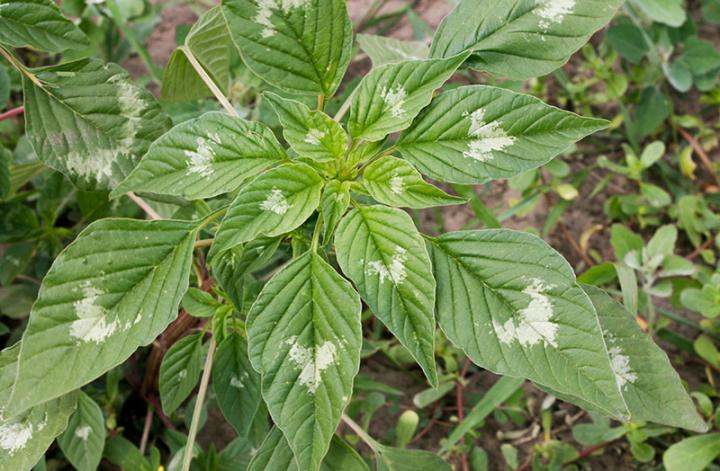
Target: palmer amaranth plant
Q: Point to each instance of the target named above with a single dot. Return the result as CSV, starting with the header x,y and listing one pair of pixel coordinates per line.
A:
x,y
331,201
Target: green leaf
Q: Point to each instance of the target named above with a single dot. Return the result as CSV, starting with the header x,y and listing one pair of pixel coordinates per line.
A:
x,y
650,386
236,384
273,204
4,86
383,50
520,39
333,204
662,242
652,153
395,182
512,304
624,241
700,56
204,157
90,122
305,337
398,459
38,24
209,42
84,439
122,453
476,133
301,46
390,96
116,287
6,159
693,454
199,303
274,453
180,371
627,39
381,251
669,12
312,134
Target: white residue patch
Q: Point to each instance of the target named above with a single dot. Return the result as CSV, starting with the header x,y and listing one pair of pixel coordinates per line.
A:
x,y
14,436
236,383
486,138
311,361
397,184
394,100
132,106
92,324
395,271
276,202
83,433
553,11
182,375
621,367
264,13
200,160
97,164
314,136
533,323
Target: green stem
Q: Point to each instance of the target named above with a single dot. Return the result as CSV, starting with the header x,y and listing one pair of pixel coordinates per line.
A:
x,y
316,233
344,107
361,433
211,217
197,411
210,83
15,62
119,21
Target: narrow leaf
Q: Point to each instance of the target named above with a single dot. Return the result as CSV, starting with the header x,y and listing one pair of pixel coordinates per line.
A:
x,y
305,338
333,204
180,371
84,440
381,251
38,24
398,459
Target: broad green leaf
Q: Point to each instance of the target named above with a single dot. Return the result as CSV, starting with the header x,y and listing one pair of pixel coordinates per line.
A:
x,y
333,204
209,42
693,454
180,371
512,304
90,122
115,288
274,453
83,441
624,241
390,96
395,182
312,134
38,24
381,251
25,437
650,386
520,39
204,157
273,204
236,384
398,459
476,133
305,337
383,50
199,303
121,452
302,46
669,12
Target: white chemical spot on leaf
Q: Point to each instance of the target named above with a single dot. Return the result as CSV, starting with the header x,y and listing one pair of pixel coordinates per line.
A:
x,y
182,375
14,436
311,361
395,271
314,136
265,9
533,324
394,100
621,367
92,318
485,138
275,202
132,106
83,433
236,383
96,165
397,184
200,160
553,11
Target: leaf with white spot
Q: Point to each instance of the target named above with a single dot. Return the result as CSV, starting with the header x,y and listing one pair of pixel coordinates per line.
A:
x,y
333,204
40,25
520,39
90,122
236,384
305,338
24,438
115,288
83,441
512,304
312,134
650,386
275,203
302,46
209,42
395,182
383,50
477,133
390,96
180,371
204,157
381,251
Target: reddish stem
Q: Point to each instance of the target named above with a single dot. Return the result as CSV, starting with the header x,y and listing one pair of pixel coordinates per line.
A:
x,y
12,112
